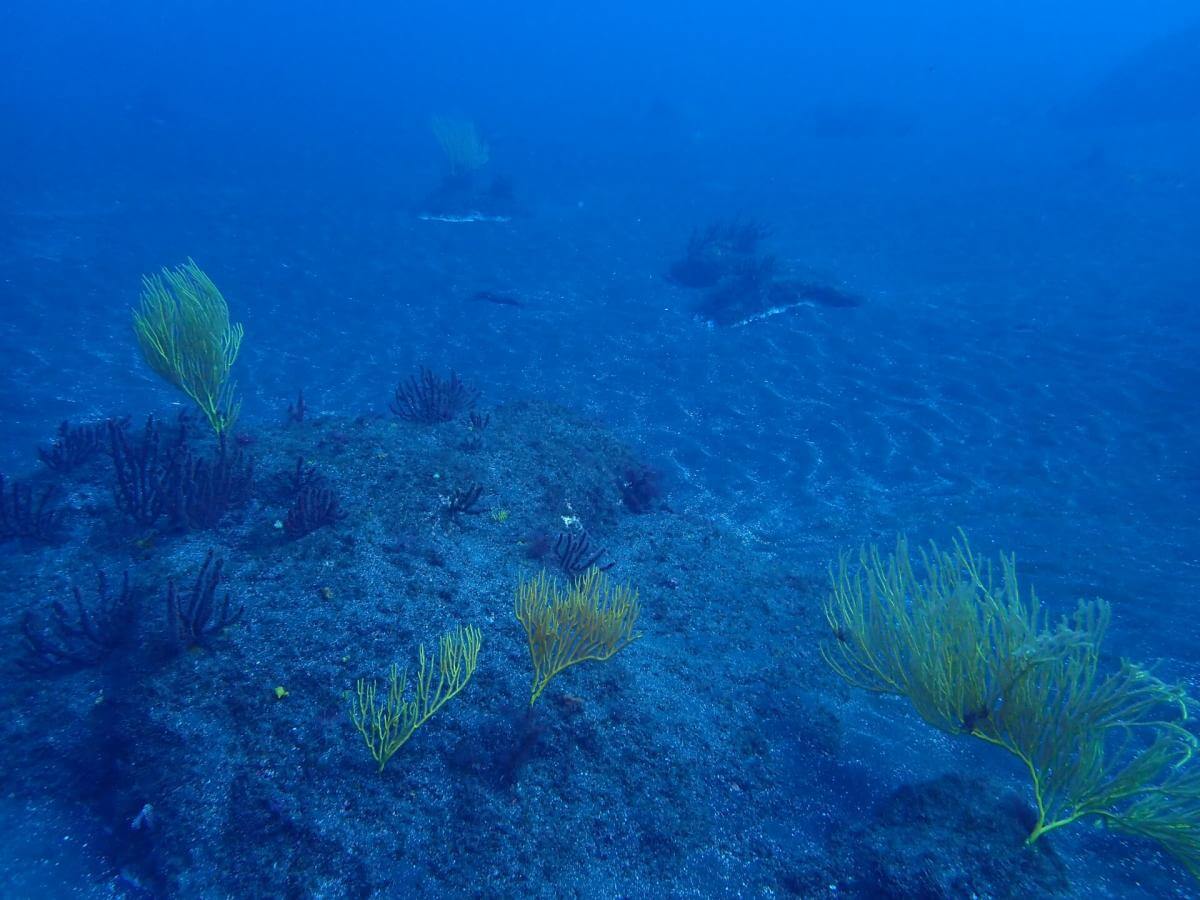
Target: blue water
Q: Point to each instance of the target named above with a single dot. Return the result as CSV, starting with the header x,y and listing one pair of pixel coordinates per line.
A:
x,y
1008,196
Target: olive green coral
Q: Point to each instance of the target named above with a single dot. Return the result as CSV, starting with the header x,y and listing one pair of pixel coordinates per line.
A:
x,y
386,724
465,150
183,329
592,619
977,656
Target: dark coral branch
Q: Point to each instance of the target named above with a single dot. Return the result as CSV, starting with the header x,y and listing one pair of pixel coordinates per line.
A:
x,y
298,410
477,424
76,444
641,489
80,639
430,399
714,252
159,478
316,506
462,502
22,515
213,487
575,555
146,473
303,476
197,616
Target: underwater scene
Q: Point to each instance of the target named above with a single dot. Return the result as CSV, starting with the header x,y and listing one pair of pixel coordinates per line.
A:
x,y
643,450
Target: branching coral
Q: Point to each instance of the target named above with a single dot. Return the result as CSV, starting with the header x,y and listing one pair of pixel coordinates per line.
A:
x,y
316,506
80,638
386,724
977,657
22,515
76,444
430,399
465,150
159,477
591,619
196,616
184,331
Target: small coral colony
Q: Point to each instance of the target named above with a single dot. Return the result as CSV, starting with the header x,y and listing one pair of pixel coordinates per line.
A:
x,y
951,631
